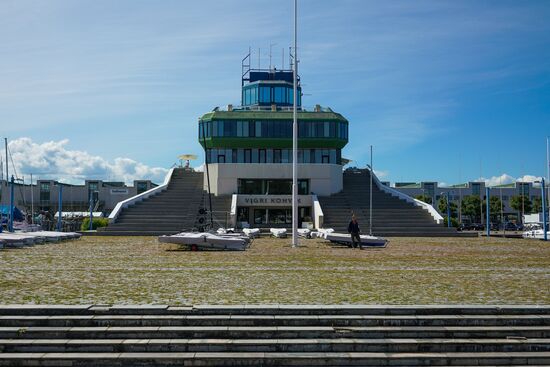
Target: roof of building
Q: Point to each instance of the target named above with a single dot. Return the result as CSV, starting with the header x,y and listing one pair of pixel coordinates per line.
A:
x,y
506,186
408,185
271,115
464,185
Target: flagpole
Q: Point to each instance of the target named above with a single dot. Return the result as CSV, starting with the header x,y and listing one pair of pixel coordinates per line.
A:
x,y
295,134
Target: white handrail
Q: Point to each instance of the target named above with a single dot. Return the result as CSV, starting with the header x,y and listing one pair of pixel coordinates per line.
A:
x,y
317,212
436,216
233,212
139,197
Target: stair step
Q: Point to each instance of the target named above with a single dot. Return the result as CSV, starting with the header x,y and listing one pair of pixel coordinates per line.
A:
x,y
274,359
274,345
271,320
253,332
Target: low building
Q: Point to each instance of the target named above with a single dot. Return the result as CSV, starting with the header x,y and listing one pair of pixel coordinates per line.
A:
x,y
44,195
457,192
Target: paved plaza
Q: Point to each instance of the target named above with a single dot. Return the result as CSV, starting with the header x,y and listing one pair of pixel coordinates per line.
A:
x,y
137,270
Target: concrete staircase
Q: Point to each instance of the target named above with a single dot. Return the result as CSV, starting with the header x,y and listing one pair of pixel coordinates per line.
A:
x,y
391,216
272,335
168,212
221,208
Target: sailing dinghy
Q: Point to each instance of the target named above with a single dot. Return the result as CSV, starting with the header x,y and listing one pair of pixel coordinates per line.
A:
x,y
366,240
278,232
252,232
208,241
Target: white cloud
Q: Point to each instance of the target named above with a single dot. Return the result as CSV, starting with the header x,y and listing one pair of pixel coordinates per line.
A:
x,y
505,179
53,160
529,178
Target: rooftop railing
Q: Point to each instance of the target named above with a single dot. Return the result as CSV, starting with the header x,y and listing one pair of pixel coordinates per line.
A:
x,y
270,108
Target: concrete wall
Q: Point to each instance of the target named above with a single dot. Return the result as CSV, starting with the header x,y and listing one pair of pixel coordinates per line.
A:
x,y
325,179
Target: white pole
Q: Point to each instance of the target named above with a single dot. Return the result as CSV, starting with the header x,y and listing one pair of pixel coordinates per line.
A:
x,y
370,193
548,167
295,134
32,202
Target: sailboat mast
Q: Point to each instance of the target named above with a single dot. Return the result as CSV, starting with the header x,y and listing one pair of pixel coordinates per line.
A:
x,y
6,147
370,193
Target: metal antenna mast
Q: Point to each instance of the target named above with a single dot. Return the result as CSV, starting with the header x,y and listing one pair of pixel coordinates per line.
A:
x,y
295,134
270,53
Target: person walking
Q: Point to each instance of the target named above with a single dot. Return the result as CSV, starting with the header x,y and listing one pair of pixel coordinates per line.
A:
x,y
353,229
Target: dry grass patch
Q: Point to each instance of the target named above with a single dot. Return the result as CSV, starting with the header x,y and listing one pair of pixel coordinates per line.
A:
x,y
411,270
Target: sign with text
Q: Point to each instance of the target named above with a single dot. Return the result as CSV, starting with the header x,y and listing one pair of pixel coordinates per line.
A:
x,y
272,200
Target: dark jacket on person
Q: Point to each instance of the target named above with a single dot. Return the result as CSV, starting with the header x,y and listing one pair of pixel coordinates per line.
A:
x,y
353,227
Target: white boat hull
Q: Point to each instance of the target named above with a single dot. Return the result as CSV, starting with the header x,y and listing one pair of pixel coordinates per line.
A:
x,y
366,241
304,232
207,241
278,232
14,240
251,232
536,234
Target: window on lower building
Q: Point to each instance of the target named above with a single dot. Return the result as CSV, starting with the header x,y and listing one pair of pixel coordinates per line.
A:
x,y
260,216
279,187
141,187
276,155
242,214
280,216
271,187
45,191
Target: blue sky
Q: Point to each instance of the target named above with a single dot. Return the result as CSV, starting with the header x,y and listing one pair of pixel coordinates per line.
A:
x,y
439,88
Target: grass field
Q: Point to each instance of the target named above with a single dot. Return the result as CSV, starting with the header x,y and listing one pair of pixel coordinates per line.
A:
x,y
410,271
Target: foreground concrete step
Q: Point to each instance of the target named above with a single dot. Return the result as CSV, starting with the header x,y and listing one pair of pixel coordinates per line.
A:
x,y
266,332
272,345
272,320
272,359
272,310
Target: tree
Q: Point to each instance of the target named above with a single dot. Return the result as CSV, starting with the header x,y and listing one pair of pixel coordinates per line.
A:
x,y
537,205
522,204
425,198
470,207
494,206
442,206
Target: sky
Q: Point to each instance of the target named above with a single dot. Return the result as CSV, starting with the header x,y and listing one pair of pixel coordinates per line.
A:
x,y
445,91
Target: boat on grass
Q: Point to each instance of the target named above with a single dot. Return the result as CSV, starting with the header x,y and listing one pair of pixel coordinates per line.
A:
x,y
366,240
536,234
208,241
278,232
252,232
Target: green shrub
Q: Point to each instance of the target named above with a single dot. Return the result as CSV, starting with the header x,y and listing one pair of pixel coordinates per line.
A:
x,y
454,222
97,223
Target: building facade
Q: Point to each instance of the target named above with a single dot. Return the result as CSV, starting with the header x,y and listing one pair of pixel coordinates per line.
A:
x,y
456,193
44,195
249,150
